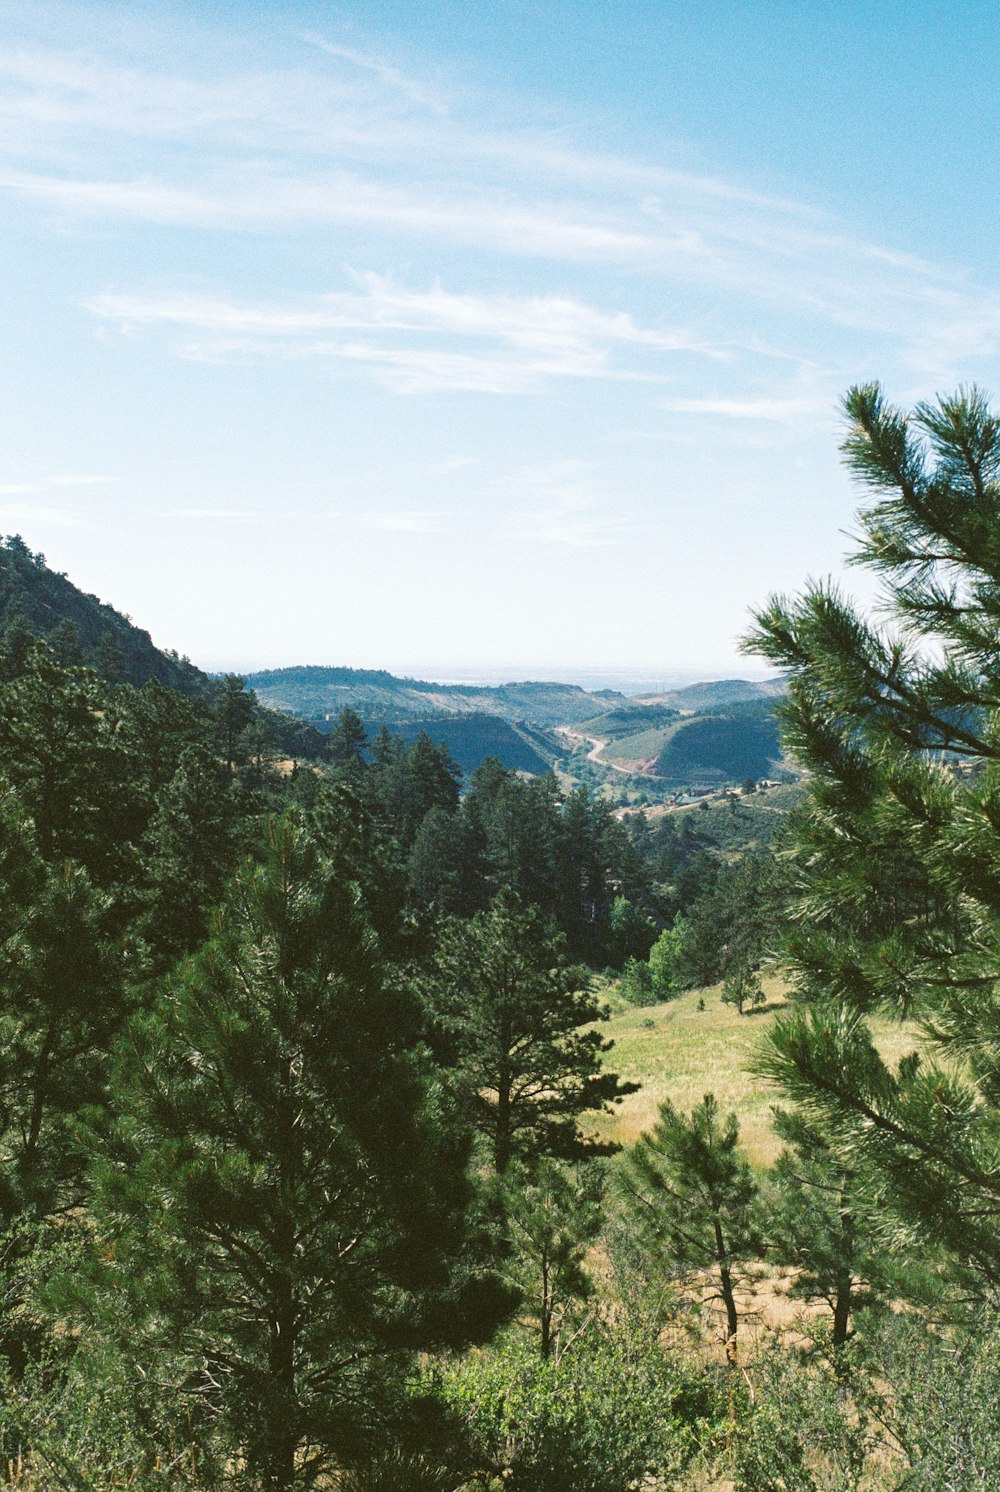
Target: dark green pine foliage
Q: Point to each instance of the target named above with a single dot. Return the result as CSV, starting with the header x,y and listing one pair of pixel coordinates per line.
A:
x,y
897,855
280,1195
444,870
361,853
515,1021
819,1228
347,742
514,825
553,1216
62,1002
691,1197
407,783
190,846
233,709
61,752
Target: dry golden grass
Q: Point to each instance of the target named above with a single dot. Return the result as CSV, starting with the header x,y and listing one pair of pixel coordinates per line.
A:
x,y
679,1052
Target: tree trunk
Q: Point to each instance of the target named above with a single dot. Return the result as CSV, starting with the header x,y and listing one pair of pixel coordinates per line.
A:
x,y
843,1299
279,1453
728,1298
546,1312
38,1101
502,1140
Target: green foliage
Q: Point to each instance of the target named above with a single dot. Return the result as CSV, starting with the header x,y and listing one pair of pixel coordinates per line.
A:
x,y
553,1215
285,1194
190,847
940,1406
804,1430
636,983
691,1196
663,960
513,1017
631,932
819,1226
348,740
62,1001
597,1420
897,852
742,987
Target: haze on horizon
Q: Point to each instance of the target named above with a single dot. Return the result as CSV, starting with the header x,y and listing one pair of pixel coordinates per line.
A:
x,y
477,333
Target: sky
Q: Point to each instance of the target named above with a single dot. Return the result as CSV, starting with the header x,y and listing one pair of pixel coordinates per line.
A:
x,y
473,336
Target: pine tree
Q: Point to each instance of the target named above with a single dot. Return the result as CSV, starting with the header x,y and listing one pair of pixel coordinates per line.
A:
x,y
61,752
347,742
233,708
515,1019
818,1227
280,1194
897,853
691,1196
190,852
553,1216
62,1002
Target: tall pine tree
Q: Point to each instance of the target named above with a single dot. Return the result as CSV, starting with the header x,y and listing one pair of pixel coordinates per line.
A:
x,y
897,856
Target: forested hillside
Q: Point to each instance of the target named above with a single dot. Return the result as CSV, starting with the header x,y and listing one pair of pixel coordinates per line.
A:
x,y
721,744
37,602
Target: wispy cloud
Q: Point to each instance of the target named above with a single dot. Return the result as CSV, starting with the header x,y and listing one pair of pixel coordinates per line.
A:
x,y
36,516
782,410
210,515
496,344
401,521
560,503
391,76
47,484
360,146
351,145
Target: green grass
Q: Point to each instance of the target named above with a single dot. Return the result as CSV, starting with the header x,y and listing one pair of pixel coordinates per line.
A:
x,y
679,1052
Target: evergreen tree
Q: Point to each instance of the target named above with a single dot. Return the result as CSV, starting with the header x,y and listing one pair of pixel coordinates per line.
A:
x,y
443,871
691,1195
233,710
818,1227
280,1193
190,852
61,751
347,742
553,1217
62,1001
897,854
742,987
515,1019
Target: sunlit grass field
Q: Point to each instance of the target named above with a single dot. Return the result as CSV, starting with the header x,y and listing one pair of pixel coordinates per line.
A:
x,y
679,1052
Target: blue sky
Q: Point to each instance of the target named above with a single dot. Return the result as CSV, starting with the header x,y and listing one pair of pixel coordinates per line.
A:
x,y
504,335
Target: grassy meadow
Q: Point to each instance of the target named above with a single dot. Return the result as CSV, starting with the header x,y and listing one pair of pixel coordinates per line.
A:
x,y
679,1052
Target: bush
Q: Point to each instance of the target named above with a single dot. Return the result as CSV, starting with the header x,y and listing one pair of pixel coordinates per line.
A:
x,y
803,1430
943,1405
607,1413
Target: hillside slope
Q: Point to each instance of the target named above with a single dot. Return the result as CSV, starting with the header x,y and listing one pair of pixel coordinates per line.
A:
x,y
40,601
471,738
36,602
376,695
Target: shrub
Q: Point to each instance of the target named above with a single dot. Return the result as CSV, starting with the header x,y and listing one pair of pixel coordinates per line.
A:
x,y
604,1415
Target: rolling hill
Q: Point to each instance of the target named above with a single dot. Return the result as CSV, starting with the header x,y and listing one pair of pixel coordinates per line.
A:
x,y
473,737
318,693
722,743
